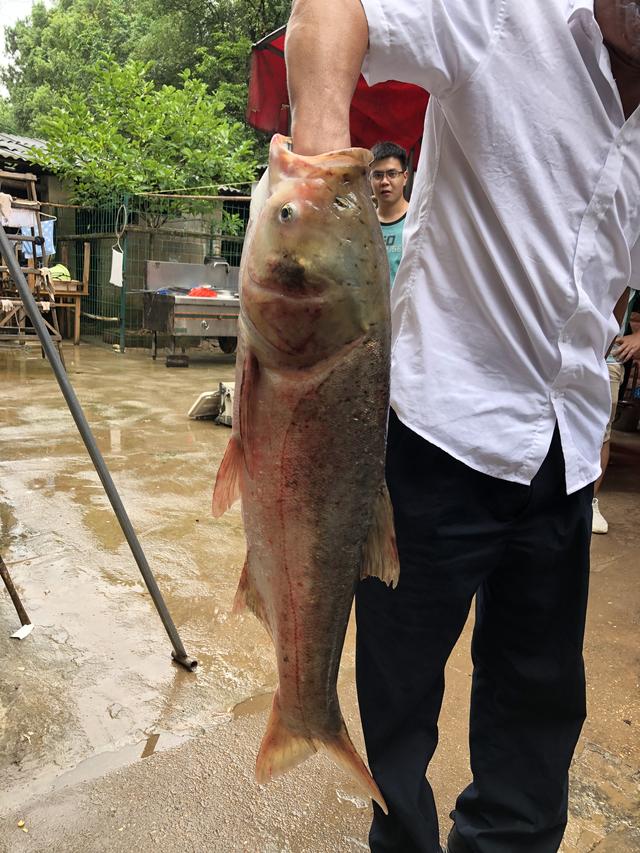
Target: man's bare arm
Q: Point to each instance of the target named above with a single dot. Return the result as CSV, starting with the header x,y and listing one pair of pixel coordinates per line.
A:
x,y
325,46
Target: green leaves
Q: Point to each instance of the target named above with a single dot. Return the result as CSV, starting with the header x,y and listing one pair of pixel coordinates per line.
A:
x,y
52,50
8,122
154,92
124,136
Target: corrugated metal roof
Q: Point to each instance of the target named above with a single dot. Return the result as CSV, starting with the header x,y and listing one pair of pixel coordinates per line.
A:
x,y
14,147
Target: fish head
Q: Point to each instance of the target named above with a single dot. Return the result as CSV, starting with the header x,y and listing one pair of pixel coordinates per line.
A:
x,y
315,278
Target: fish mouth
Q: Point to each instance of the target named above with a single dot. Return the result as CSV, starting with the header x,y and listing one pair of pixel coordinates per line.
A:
x,y
290,279
271,348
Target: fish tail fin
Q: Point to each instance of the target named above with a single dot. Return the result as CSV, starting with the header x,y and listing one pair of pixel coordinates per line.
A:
x,y
344,753
281,749
380,558
227,488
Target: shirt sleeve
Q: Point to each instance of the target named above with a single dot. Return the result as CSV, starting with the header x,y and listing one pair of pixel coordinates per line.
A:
x,y
436,44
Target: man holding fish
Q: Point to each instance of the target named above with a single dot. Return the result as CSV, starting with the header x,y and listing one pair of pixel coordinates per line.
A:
x,y
522,234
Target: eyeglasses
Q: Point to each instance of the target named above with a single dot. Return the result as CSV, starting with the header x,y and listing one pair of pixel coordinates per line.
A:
x,y
391,174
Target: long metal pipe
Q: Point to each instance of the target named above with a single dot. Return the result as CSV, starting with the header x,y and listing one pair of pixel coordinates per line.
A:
x,y
13,593
179,654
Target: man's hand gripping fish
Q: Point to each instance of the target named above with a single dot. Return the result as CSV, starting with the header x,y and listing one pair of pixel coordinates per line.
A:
x,y
306,455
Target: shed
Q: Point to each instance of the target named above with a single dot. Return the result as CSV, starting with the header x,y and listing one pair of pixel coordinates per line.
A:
x,y
15,157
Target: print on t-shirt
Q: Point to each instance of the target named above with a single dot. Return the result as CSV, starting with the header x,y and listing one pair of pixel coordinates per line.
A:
x,y
392,236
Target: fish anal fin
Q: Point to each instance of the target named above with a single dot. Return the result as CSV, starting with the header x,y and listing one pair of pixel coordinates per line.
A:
x,y
248,407
240,603
227,488
281,748
380,556
344,753
248,598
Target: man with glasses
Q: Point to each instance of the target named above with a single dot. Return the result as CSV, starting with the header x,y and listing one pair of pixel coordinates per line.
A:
x,y
522,234
388,180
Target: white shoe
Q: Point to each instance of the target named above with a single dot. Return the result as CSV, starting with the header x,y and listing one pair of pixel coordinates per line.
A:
x,y
599,524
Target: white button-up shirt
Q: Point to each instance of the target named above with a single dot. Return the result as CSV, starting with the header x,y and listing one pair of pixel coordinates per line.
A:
x,y
519,240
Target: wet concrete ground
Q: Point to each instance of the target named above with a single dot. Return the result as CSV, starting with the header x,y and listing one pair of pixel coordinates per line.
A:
x,y
105,745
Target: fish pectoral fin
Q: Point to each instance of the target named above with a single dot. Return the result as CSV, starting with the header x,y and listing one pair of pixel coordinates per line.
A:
x,y
248,598
380,557
344,753
227,488
281,748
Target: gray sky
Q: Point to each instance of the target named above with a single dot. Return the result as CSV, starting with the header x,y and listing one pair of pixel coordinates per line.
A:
x,y
10,12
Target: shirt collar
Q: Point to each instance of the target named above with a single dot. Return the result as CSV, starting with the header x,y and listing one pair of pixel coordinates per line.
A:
x,y
576,5
584,11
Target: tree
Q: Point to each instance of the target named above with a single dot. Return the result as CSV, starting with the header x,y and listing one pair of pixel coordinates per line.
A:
x,y
213,38
8,122
123,135
52,50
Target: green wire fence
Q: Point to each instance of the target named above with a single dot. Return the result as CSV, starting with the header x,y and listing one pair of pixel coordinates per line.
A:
x,y
160,227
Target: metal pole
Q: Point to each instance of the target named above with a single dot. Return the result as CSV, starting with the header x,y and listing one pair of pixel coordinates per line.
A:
x,y
179,654
13,592
123,289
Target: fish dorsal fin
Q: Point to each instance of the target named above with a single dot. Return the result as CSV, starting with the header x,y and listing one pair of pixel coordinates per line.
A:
x,y
248,409
227,488
380,557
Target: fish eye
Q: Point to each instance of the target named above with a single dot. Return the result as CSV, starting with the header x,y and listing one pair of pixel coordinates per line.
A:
x,y
287,213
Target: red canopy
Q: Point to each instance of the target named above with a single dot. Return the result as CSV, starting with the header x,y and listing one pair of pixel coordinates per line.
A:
x,y
387,111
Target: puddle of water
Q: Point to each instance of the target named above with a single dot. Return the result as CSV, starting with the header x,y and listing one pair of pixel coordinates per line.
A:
x,y
150,746
254,705
96,766
96,672
8,521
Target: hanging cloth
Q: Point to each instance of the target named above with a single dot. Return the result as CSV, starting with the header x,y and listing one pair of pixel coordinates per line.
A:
x,y
117,254
117,266
47,233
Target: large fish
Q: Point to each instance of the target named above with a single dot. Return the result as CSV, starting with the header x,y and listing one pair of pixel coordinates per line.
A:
x,y
306,454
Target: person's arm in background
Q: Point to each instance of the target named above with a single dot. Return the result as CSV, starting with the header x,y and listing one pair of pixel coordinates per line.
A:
x,y
325,47
628,346
625,346
621,307
618,314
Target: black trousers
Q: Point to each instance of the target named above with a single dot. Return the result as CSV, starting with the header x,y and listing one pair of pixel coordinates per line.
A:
x,y
523,551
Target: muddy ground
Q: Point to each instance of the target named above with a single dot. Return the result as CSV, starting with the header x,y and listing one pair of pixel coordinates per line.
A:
x,y
106,745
